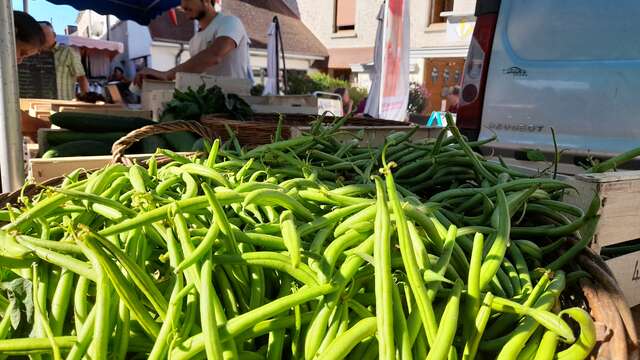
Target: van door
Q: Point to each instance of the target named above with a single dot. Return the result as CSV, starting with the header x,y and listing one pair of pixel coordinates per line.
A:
x,y
573,65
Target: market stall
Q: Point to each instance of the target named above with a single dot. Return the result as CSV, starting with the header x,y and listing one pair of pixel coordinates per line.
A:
x,y
96,56
11,161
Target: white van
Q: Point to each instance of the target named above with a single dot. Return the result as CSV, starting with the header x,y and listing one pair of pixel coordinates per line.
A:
x,y
571,65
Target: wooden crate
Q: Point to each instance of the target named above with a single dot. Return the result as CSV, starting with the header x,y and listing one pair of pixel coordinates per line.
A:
x,y
291,104
619,193
185,81
145,114
41,170
154,101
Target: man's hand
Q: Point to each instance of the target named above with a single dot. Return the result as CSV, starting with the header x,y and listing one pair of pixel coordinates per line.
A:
x,y
152,74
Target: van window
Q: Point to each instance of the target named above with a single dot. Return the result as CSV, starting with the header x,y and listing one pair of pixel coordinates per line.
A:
x,y
573,29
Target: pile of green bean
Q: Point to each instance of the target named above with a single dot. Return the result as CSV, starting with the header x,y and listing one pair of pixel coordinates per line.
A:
x,y
302,249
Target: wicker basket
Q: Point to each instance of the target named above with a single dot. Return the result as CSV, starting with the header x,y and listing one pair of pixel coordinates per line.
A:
x,y
601,296
262,127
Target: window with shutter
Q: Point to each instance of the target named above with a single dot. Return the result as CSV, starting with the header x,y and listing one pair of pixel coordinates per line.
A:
x,y
438,7
345,15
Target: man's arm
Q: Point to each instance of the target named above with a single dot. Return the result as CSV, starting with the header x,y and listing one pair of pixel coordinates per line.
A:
x,y
78,72
84,84
209,57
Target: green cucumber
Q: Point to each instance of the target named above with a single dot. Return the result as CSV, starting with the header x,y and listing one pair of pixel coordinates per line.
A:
x,y
55,138
180,141
79,148
151,143
88,122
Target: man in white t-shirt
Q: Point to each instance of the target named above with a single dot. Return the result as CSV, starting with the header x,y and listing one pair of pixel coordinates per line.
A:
x,y
220,47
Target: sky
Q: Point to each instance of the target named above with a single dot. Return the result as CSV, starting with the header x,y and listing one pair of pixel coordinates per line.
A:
x,y
60,16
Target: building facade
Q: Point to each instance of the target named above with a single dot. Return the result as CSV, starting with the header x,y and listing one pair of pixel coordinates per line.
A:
x,y
441,31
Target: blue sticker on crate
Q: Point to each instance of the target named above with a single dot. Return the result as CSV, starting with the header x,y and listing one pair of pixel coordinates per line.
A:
x,y
437,117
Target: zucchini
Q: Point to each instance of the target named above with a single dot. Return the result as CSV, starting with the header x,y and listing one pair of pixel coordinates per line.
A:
x,y
79,148
151,143
199,146
55,138
180,141
88,122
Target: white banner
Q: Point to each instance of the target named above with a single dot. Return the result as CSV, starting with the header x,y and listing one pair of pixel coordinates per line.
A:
x,y
394,79
271,83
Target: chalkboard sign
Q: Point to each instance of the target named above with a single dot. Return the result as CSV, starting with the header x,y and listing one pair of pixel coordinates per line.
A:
x,y
37,77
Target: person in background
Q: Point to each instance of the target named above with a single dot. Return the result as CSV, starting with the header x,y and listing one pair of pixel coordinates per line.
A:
x,y
29,40
69,69
29,36
118,76
219,48
453,99
347,103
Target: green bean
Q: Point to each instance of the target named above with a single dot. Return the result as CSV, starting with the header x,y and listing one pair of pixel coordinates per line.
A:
x,y
481,320
521,267
67,262
548,346
5,324
191,186
137,274
272,260
267,197
587,235
229,299
338,246
137,178
102,331
513,275
122,287
85,336
587,339
334,324
213,154
290,237
166,184
213,347
123,331
328,219
24,346
340,347
39,210
525,329
201,250
473,285
366,214
496,254
530,248
406,249
157,214
479,167
60,302
448,326
507,320
615,161
384,280
57,246
529,350
285,144
80,304
41,318
545,318
241,323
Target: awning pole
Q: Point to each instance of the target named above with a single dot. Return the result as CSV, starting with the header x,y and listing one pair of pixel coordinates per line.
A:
x,y
11,159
